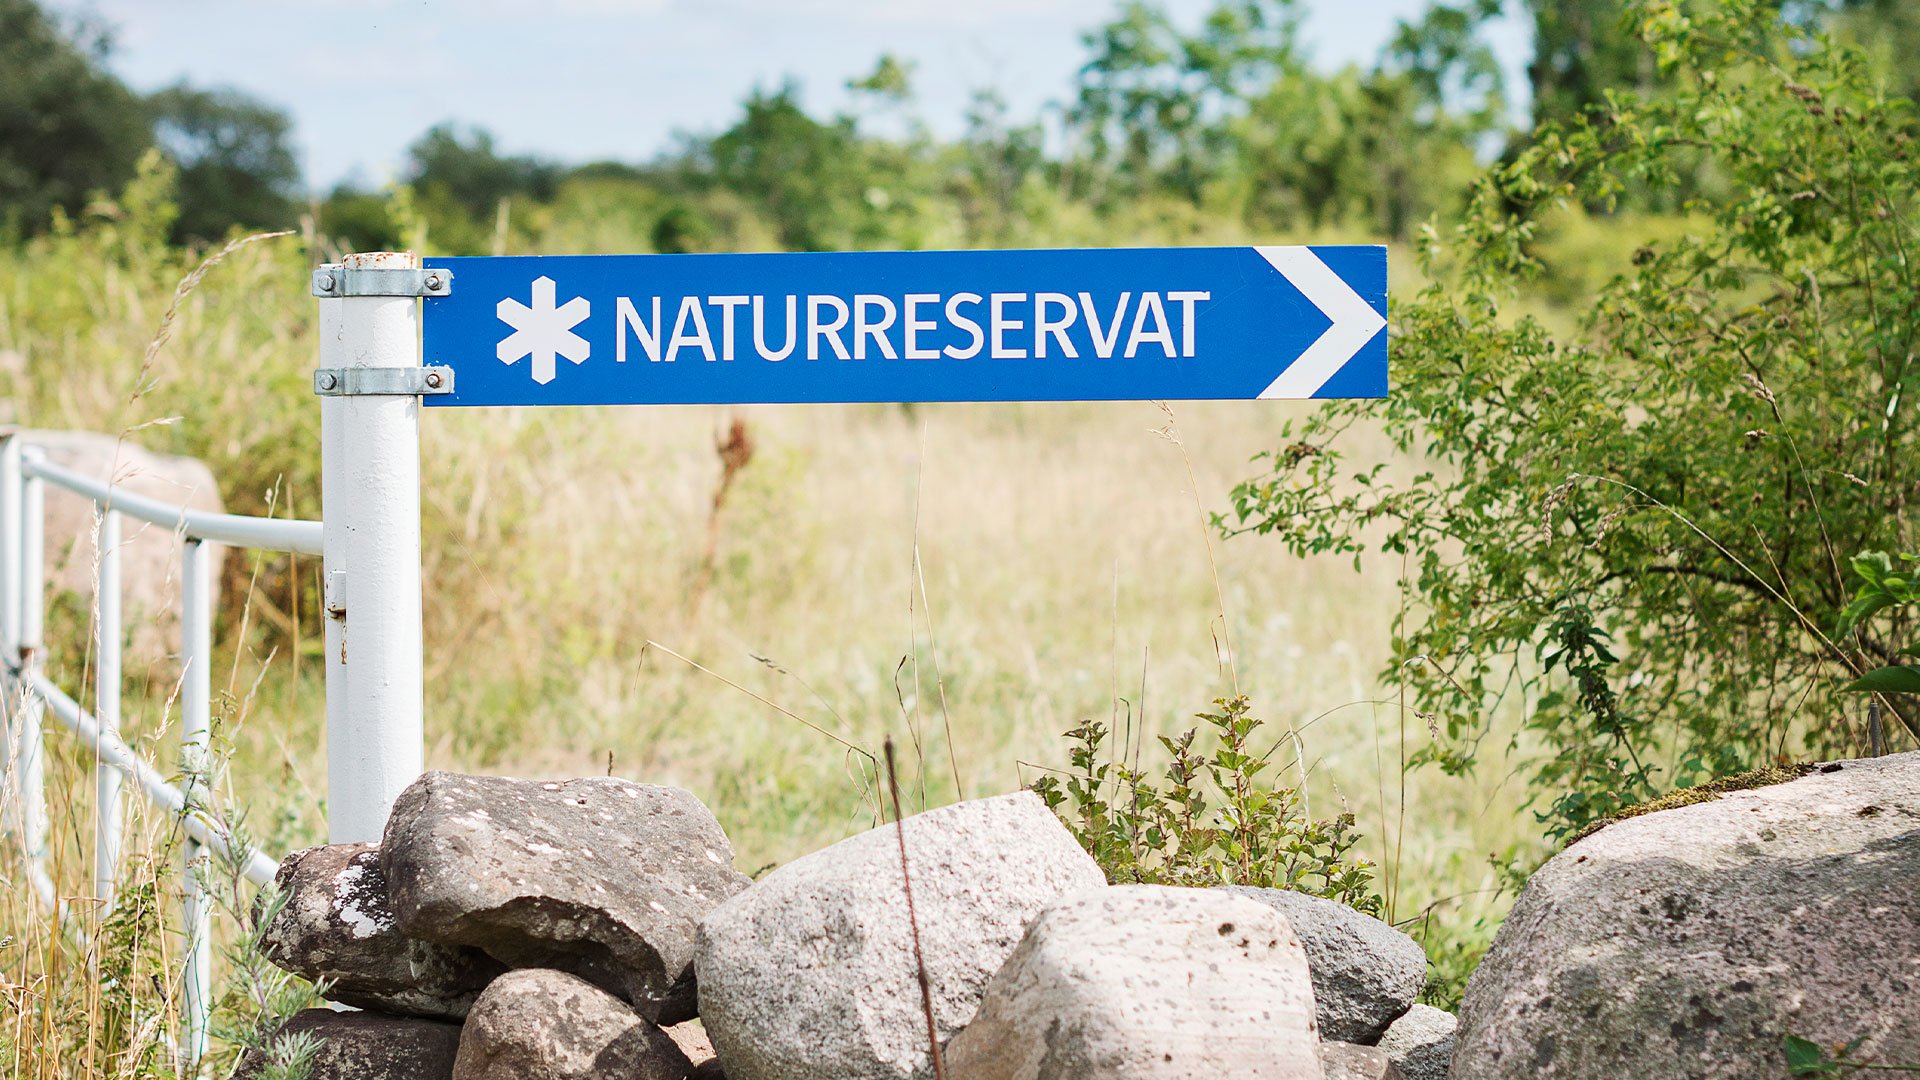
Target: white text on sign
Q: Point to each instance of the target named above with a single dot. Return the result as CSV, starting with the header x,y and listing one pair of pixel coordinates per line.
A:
x,y
1002,325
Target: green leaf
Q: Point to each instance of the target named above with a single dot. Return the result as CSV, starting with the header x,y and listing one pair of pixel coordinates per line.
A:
x,y
1888,680
1871,566
1869,603
1805,1058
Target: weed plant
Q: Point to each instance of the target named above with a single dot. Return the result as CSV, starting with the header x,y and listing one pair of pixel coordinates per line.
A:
x,y
1214,822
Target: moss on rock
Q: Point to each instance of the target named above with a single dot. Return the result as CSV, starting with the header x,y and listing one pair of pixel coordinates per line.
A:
x,y
1765,776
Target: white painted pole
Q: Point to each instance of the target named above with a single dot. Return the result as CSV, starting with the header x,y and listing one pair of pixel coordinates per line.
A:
x,y
33,748
371,512
333,575
196,711
106,708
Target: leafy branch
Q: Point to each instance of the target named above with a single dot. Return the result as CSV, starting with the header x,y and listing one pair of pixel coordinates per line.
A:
x,y
1214,821
1883,586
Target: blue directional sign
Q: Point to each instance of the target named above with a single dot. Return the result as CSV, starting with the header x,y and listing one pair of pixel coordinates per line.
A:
x,y
1065,325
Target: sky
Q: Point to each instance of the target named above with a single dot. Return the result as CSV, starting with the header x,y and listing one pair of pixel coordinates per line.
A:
x,y
581,80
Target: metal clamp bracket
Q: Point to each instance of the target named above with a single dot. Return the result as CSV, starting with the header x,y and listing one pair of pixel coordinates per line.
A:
x,y
332,281
381,381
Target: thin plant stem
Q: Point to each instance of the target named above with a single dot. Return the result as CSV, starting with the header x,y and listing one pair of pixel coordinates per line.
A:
x,y
913,919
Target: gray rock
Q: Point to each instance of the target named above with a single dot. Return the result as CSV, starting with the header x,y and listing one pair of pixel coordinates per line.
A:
x,y
1688,943
1421,1042
553,1026
1351,1061
361,1046
1365,973
809,975
336,926
602,878
691,1038
1146,982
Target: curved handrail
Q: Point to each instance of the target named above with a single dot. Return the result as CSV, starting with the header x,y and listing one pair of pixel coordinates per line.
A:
x,y
257,867
239,530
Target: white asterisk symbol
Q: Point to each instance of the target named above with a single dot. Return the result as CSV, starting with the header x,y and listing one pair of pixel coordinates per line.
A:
x,y
543,331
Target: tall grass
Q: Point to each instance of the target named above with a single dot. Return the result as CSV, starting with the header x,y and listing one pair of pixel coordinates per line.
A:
x,y
970,581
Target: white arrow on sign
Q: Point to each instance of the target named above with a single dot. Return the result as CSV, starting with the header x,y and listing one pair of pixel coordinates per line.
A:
x,y
1354,322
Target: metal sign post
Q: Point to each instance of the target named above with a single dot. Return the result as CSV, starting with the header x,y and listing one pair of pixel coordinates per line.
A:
x,y
1143,324
370,381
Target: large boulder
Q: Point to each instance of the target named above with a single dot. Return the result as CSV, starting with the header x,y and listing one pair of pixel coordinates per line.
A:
x,y
1688,943
810,974
359,1046
336,926
1421,1042
149,554
553,1026
1146,982
1351,1061
602,878
1365,973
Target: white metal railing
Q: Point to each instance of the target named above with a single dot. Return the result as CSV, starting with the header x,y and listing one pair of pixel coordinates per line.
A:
x,y
369,352
29,692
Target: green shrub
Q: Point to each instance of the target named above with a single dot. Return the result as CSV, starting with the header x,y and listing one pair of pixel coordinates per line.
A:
x,y
1630,527
1215,822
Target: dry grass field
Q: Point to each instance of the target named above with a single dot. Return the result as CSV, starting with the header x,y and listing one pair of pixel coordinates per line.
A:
x,y
969,580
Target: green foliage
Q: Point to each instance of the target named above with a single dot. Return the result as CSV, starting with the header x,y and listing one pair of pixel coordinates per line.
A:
x,y
1881,589
1215,822
821,184
1583,51
1000,181
1892,679
1454,948
891,79
1808,1058
1888,31
1234,119
234,167
463,168
291,1057
131,948
67,128
359,221
461,180
1599,730
1446,58
103,285
255,995
1155,103
1631,525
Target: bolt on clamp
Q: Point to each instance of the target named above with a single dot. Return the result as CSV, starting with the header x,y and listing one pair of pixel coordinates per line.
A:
x,y
388,382
332,281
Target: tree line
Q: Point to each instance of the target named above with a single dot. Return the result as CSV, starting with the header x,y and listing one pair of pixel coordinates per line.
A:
x,y
1227,123
1661,365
